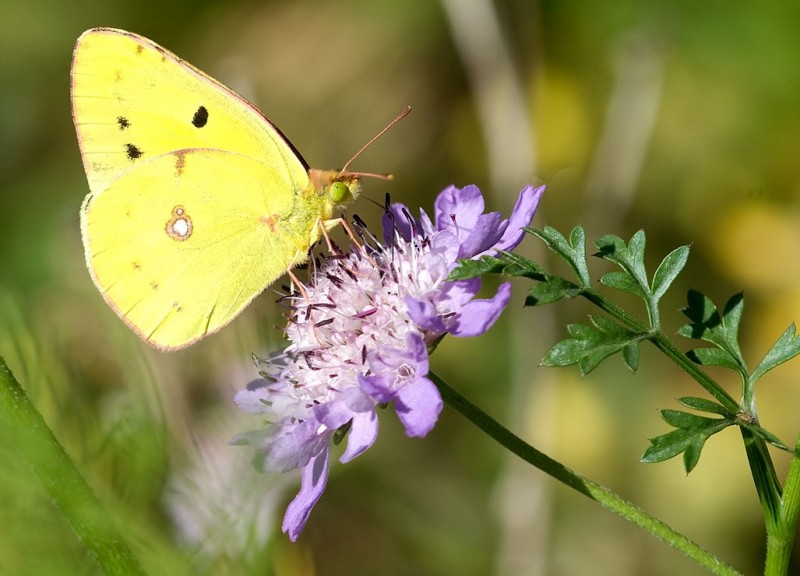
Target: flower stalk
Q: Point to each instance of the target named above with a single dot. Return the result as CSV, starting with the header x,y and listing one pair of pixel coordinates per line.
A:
x,y
592,490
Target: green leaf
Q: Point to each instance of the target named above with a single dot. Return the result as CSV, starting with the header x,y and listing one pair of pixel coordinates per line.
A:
x,y
577,237
713,357
692,432
622,281
636,247
721,330
577,241
666,446
786,348
630,258
551,289
705,405
573,251
468,268
701,311
507,263
681,419
590,344
630,354
668,270
475,268
564,353
554,240
691,456
766,435
611,247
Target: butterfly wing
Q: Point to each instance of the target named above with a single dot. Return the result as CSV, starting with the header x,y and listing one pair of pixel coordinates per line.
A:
x,y
133,100
181,243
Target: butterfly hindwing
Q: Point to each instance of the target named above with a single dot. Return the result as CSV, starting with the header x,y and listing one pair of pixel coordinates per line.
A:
x,y
165,262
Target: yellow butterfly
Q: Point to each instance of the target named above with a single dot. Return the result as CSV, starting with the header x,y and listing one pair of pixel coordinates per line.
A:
x,y
197,202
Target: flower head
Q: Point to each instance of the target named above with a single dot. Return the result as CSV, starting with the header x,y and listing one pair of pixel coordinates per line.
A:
x,y
361,332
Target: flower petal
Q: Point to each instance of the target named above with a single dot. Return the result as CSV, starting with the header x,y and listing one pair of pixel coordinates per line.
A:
x,y
426,227
424,315
418,406
313,479
521,216
376,387
294,445
338,412
362,435
477,316
455,294
455,208
253,399
483,235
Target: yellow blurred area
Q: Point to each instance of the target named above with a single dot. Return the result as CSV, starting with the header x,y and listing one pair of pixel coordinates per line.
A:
x,y
680,118
564,130
756,243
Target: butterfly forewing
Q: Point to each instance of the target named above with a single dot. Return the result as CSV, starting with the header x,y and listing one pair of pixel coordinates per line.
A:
x,y
133,100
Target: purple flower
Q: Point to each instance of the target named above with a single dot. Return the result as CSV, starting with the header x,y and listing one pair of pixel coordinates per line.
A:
x,y
361,334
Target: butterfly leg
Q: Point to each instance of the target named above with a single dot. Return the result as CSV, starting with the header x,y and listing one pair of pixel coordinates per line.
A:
x,y
302,257
309,304
326,225
296,282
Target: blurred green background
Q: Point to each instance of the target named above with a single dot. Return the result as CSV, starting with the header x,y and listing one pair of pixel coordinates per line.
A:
x,y
682,118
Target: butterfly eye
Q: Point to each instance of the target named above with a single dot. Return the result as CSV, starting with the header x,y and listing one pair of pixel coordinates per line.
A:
x,y
338,191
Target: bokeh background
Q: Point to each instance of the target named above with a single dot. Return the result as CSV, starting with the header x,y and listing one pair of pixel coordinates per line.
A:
x,y
682,118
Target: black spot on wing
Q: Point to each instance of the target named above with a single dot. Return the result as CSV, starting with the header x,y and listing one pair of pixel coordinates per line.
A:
x,y
133,152
123,122
200,117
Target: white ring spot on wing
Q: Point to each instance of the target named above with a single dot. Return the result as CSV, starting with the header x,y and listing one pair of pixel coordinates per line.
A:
x,y
179,226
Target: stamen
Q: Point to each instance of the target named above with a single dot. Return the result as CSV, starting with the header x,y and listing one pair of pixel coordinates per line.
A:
x,y
366,313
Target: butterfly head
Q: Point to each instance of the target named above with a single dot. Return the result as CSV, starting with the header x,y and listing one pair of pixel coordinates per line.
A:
x,y
344,189
335,188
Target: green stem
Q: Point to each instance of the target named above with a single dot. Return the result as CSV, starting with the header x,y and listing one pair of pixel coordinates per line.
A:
x,y
21,424
781,538
780,535
768,488
595,491
655,319
665,345
765,478
684,363
762,468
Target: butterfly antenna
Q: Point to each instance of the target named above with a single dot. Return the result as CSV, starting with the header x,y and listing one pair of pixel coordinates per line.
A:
x,y
378,204
397,119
